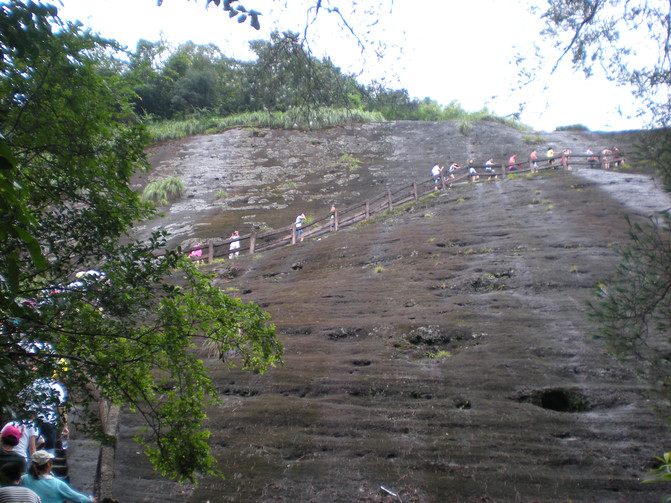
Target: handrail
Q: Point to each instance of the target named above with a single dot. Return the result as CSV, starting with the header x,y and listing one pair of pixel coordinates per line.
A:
x,y
354,214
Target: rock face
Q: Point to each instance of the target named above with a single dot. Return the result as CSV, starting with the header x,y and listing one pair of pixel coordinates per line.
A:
x,y
439,354
270,176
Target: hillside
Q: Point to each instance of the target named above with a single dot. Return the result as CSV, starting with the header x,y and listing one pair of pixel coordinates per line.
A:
x,y
270,176
442,352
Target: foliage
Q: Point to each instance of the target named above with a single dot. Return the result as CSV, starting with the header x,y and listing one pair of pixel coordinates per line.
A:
x,y
662,473
317,119
634,306
199,90
572,127
534,139
71,144
629,42
350,162
163,192
465,127
235,10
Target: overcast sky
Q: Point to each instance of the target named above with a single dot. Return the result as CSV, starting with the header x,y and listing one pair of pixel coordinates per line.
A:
x,y
463,51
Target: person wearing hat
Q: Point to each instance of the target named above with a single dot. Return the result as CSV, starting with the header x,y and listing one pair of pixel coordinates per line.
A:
x,y
8,440
28,441
13,491
49,488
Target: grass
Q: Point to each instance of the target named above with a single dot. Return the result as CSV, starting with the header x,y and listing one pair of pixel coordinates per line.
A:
x,y
163,192
535,139
350,162
302,119
222,194
379,269
440,355
465,127
572,127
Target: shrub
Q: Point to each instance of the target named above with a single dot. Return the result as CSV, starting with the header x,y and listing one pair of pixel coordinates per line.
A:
x,y
350,162
465,127
572,127
163,192
534,139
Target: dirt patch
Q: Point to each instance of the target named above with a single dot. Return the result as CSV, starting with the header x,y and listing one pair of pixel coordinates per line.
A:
x,y
440,354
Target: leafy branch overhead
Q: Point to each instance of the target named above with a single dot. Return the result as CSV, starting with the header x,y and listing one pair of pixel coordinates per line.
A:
x,y
135,335
234,8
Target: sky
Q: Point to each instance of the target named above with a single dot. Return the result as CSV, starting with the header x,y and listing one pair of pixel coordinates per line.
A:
x,y
443,50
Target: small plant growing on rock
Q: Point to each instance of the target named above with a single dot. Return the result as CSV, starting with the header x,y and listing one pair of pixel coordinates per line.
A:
x,y
163,192
350,162
440,355
465,127
662,473
379,269
222,194
535,139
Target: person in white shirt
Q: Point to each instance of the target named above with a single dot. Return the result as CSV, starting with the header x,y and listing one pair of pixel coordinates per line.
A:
x,y
29,434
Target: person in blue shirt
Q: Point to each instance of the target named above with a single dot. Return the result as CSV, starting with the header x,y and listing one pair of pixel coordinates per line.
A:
x,y
50,489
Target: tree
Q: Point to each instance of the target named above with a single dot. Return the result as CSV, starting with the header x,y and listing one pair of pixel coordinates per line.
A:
x,y
286,76
634,305
136,335
630,42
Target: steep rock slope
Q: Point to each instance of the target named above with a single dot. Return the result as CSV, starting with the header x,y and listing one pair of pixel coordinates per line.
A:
x,y
441,353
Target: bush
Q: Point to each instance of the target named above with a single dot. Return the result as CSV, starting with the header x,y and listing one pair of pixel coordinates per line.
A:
x,y
163,192
572,127
296,118
465,127
535,139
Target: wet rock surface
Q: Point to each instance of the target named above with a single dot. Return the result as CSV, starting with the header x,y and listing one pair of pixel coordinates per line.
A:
x,y
441,353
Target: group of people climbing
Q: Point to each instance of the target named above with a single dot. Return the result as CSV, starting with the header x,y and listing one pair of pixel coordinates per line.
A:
x,y
31,446
554,159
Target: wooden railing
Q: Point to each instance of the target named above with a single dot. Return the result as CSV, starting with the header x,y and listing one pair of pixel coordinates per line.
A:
x,y
256,242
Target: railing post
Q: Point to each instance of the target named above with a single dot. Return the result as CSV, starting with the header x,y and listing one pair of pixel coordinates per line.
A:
x,y
442,180
252,242
367,209
293,234
335,226
414,191
504,170
391,205
210,257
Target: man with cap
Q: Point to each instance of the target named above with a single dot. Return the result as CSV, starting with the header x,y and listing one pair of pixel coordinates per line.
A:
x,y
14,492
8,440
50,489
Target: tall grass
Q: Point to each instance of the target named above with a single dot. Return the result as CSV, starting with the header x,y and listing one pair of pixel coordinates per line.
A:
x,y
307,119
163,192
293,119
465,127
